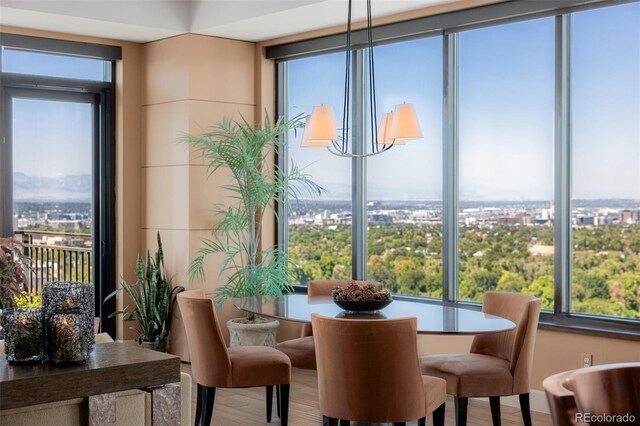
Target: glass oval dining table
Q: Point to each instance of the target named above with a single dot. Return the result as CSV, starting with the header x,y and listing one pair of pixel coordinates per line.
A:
x,y
432,318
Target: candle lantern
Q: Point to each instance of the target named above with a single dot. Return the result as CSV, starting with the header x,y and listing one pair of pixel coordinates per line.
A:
x,y
58,297
24,334
64,334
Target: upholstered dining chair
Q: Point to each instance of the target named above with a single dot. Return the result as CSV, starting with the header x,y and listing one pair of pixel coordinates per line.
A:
x,y
612,390
368,371
216,366
301,351
498,364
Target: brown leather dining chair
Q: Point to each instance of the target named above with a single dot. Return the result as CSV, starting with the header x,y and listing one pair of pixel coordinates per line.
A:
x,y
499,364
216,366
611,390
301,351
368,371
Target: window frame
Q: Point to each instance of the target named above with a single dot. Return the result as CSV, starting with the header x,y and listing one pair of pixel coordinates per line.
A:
x,y
561,318
104,157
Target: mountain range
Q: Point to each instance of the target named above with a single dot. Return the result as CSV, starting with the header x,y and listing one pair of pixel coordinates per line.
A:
x,y
62,188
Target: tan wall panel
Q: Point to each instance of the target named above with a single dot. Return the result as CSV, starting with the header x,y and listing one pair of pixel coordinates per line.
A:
x,y
163,125
206,194
203,115
558,351
220,69
166,72
167,197
175,244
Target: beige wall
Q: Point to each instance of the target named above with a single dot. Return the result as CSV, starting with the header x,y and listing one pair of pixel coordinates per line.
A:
x,y
190,82
128,205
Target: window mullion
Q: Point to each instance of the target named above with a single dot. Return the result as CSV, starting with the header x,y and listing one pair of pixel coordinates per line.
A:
x,y
283,156
359,170
450,169
562,219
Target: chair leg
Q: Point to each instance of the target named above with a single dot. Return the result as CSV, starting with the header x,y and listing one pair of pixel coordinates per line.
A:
x,y
422,421
329,421
461,410
495,409
206,398
199,405
284,400
525,408
278,399
269,402
438,416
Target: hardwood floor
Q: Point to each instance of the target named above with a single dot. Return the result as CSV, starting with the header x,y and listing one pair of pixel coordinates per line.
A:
x,y
246,407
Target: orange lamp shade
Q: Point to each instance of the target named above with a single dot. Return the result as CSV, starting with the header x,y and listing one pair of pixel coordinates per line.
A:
x,y
384,131
405,125
320,128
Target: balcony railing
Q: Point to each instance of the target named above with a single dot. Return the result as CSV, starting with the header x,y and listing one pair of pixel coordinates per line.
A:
x,y
57,256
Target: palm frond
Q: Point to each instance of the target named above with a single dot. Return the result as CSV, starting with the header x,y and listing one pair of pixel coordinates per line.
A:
x,y
245,150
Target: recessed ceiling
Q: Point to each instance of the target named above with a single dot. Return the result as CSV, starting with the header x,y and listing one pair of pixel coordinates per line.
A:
x,y
148,20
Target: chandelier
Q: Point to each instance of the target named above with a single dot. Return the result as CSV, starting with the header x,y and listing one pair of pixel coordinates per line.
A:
x,y
396,127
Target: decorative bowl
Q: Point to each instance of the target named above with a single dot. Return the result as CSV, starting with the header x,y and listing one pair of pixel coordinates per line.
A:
x,y
363,305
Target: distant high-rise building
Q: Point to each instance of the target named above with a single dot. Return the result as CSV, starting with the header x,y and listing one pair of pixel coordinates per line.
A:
x,y
629,217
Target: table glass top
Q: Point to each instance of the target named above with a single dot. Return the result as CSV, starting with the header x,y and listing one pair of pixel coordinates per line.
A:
x,y
432,318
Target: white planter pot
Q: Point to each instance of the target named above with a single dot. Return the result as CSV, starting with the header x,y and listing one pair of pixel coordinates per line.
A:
x,y
259,334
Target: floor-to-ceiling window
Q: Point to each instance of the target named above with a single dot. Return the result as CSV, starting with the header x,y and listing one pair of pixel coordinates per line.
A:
x,y
319,229
404,185
605,112
506,109
57,160
531,145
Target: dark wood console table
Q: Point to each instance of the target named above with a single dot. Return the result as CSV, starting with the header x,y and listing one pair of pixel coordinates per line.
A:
x,y
112,367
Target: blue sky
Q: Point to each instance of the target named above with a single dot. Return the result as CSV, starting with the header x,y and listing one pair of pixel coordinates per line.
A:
x,y
506,112
51,138
57,142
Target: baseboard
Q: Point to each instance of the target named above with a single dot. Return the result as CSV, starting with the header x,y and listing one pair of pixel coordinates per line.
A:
x,y
537,401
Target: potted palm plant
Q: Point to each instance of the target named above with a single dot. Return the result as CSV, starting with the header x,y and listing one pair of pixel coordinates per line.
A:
x,y
153,300
246,151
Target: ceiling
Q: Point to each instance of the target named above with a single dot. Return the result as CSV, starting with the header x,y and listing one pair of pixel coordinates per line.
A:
x,y
148,20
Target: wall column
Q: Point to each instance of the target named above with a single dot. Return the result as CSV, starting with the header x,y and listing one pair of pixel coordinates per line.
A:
x,y
190,83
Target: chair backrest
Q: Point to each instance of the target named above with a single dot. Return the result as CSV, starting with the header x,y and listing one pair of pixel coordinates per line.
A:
x,y
210,363
368,370
517,345
612,389
317,288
